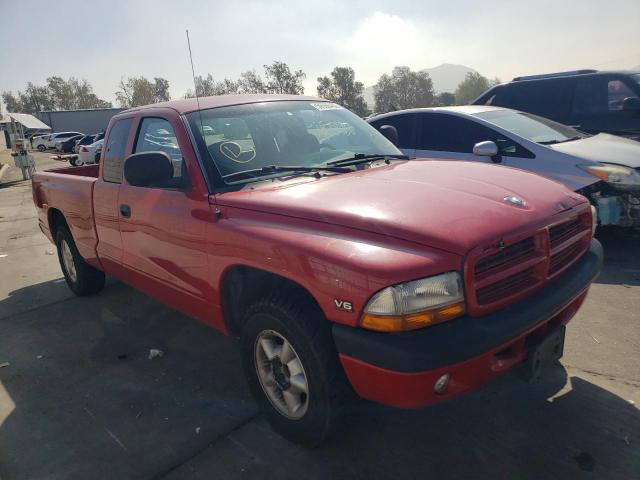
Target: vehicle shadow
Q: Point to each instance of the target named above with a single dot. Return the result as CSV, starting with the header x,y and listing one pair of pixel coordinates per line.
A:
x,y
82,399
621,256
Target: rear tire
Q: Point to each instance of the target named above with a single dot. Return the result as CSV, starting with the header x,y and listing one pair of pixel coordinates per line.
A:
x,y
293,369
81,277
73,162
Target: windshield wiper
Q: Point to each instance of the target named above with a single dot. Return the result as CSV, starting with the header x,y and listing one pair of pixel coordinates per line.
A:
x,y
363,158
270,169
553,142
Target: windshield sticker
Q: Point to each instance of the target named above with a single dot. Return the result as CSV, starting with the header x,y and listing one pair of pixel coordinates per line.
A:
x,y
234,152
326,106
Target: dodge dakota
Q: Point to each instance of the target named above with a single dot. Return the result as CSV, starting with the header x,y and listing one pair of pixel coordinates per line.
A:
x,y
344,269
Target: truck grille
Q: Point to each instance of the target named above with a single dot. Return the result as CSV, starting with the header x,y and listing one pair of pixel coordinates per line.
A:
x,y
507,271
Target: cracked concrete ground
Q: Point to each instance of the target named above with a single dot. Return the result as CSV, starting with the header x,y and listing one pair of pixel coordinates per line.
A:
x,y
81,399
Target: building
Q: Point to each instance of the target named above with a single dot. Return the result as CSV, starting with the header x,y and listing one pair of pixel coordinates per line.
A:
x,y
86,121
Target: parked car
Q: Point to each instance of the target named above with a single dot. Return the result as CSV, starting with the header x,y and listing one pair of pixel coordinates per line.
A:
x,y
342,266
589,100
86,154
604,168
49,141
36,140
33,135
66,146
88,140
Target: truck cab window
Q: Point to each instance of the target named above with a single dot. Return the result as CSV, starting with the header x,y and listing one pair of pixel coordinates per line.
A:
x,y
157,135
114,151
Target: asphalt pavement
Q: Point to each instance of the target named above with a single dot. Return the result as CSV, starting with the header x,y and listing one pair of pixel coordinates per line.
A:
x,y
80,397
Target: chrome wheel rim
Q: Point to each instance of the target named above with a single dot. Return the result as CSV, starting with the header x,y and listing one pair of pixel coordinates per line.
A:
x,y
281,374
67,261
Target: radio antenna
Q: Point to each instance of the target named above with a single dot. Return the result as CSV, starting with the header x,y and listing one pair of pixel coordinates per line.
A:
x,y
195,84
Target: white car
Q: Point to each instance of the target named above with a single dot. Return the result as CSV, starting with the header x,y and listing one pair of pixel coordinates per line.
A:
x,y
87,153
49,141
604,168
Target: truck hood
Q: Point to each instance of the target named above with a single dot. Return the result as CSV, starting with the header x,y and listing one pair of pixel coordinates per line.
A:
x,y
452,206
603,148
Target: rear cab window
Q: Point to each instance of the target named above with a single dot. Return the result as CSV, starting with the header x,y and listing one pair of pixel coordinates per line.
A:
x,y
114,151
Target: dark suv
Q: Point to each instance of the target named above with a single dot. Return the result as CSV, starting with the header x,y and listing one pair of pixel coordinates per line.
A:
x,y
588,100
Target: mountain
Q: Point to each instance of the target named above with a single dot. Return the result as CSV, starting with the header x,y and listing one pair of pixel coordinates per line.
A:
x,y
446,78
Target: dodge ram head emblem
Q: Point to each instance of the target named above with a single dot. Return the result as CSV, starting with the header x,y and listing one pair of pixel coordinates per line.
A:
x,y
516,201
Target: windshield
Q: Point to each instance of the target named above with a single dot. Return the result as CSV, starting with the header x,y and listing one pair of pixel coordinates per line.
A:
x,y
531,127
281,134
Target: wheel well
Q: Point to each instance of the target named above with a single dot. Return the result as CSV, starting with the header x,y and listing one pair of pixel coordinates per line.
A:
x,y
242,286
56,220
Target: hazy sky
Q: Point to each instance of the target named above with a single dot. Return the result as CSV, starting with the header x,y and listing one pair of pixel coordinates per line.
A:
x,y
106,40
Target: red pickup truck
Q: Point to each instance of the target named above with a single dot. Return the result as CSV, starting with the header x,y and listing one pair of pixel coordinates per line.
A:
x,y
343,266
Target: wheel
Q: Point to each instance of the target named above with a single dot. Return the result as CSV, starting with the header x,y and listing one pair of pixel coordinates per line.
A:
x,y
81,277
293,369
73,162
41,148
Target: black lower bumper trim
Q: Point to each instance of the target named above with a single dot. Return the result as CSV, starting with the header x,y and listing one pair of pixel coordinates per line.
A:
x,y
466,337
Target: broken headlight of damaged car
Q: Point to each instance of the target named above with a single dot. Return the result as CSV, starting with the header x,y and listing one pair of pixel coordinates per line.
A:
x,y
415,304
618,176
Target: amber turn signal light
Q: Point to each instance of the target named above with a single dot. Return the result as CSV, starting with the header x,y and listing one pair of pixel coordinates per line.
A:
x,y
403,323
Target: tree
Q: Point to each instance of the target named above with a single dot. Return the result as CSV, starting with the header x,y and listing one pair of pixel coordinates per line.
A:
x,y
280,79
162,89
207,87
73,94
343,89
472,87
251,82
403,89
11,102
57,94
445,99
36,99
138,91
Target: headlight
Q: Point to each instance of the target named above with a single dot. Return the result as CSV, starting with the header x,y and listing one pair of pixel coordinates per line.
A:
x,y
623,178
415,304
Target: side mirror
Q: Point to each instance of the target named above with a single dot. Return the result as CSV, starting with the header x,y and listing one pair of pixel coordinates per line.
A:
x,y
485,149
390,133
147,169
631,104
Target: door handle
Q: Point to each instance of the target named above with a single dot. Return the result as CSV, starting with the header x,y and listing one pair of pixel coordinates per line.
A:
x,y
125,210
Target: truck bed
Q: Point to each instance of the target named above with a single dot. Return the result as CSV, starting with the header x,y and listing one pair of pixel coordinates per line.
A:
x,y
68,191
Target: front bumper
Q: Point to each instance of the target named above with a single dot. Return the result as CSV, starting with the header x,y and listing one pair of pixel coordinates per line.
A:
x,y
401,369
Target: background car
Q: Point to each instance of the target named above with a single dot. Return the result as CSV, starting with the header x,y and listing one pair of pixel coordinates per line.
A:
x,y
66,146
36,137
588,100
605,168
86,140
49,141
86,154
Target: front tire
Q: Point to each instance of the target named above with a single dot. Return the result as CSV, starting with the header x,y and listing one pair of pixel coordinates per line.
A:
x,y
293,368
41,148
81,277
73,162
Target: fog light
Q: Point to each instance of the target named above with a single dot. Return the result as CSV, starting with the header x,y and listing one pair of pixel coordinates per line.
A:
x,y
441,384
